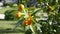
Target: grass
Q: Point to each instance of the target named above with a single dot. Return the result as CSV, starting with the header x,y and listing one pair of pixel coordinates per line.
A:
x,y
8,26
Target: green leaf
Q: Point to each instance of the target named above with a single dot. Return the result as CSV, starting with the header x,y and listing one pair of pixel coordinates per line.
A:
x,y
32,29
35,11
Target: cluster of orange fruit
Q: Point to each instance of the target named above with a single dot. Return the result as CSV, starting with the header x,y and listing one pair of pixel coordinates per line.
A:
x,y
27,21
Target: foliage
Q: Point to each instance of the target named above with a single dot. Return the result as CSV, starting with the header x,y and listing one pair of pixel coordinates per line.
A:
x,y
10,4
10,15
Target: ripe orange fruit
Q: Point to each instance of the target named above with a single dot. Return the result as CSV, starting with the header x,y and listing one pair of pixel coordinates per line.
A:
x,y
27,22
21,7
18,14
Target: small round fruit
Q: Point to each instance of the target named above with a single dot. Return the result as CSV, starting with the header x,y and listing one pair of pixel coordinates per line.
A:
x,y
18,14
21,7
